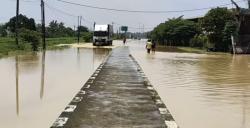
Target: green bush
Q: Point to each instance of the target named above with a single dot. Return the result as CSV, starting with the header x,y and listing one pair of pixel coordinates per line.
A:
x,y
176,30
32,37
87,36
199,41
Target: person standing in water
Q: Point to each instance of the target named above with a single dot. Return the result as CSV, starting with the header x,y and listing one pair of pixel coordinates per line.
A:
x,y
124,40
149,46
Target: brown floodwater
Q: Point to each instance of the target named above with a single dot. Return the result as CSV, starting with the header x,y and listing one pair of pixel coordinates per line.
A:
x,y
35,88
201,91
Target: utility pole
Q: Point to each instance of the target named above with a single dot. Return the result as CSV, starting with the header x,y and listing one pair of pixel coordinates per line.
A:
x,y
94,28
112,30
143,33
78,28
79,25
43,24
119,32
16,26
74,28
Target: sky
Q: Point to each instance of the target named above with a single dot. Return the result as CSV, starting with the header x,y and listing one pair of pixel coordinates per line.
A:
x,y
55,10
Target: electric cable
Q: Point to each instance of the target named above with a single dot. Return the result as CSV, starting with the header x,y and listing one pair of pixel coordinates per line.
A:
x,y
143,11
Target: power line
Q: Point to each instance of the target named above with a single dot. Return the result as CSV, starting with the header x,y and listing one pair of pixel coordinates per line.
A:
x,y
135,11
143,11
90,22
27,1
66,13
55,15
132,26
54,10
30,0
58,10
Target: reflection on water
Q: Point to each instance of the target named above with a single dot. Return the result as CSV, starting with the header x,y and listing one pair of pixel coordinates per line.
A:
x,y
29,63
42,74
17,86
44,83
201,91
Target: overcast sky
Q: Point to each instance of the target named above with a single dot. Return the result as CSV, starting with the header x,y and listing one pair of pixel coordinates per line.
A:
x,y
31,8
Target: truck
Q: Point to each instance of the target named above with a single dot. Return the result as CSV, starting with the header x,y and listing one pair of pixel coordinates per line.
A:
x,y
102,35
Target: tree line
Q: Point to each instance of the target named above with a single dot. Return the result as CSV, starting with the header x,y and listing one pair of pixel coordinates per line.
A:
x,y
30,32
213,31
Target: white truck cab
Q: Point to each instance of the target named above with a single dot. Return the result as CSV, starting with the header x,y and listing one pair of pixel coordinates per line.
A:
x,y
102,35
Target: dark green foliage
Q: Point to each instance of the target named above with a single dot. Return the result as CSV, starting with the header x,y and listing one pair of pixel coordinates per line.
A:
x,y
229,30
87,36
199,41
158,33
176,31
24,22
31,37
83,29
218,24
56,29
3,32
69,32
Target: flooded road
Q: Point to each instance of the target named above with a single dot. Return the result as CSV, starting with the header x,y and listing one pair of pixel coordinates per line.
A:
x,y
33,95
201,91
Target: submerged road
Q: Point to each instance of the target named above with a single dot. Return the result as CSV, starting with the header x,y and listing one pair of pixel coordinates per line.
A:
x,y
118,95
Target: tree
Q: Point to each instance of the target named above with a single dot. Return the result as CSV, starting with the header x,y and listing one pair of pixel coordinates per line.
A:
x,y
69,31
31,37
87,36
56,29
83,29
214,24
3,31
53,29
229,30
23,22
158,33
177,31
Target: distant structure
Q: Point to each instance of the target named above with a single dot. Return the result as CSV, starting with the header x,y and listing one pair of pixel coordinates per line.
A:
x,y
241,41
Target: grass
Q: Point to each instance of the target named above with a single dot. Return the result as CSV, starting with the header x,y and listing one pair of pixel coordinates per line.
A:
x,y
8,46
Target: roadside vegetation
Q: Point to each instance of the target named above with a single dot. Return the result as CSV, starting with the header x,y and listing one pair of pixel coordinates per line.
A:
x,y
8,45
209,33
30,36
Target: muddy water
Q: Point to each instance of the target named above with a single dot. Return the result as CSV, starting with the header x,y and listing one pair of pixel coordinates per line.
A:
x,y
201,91
32,95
